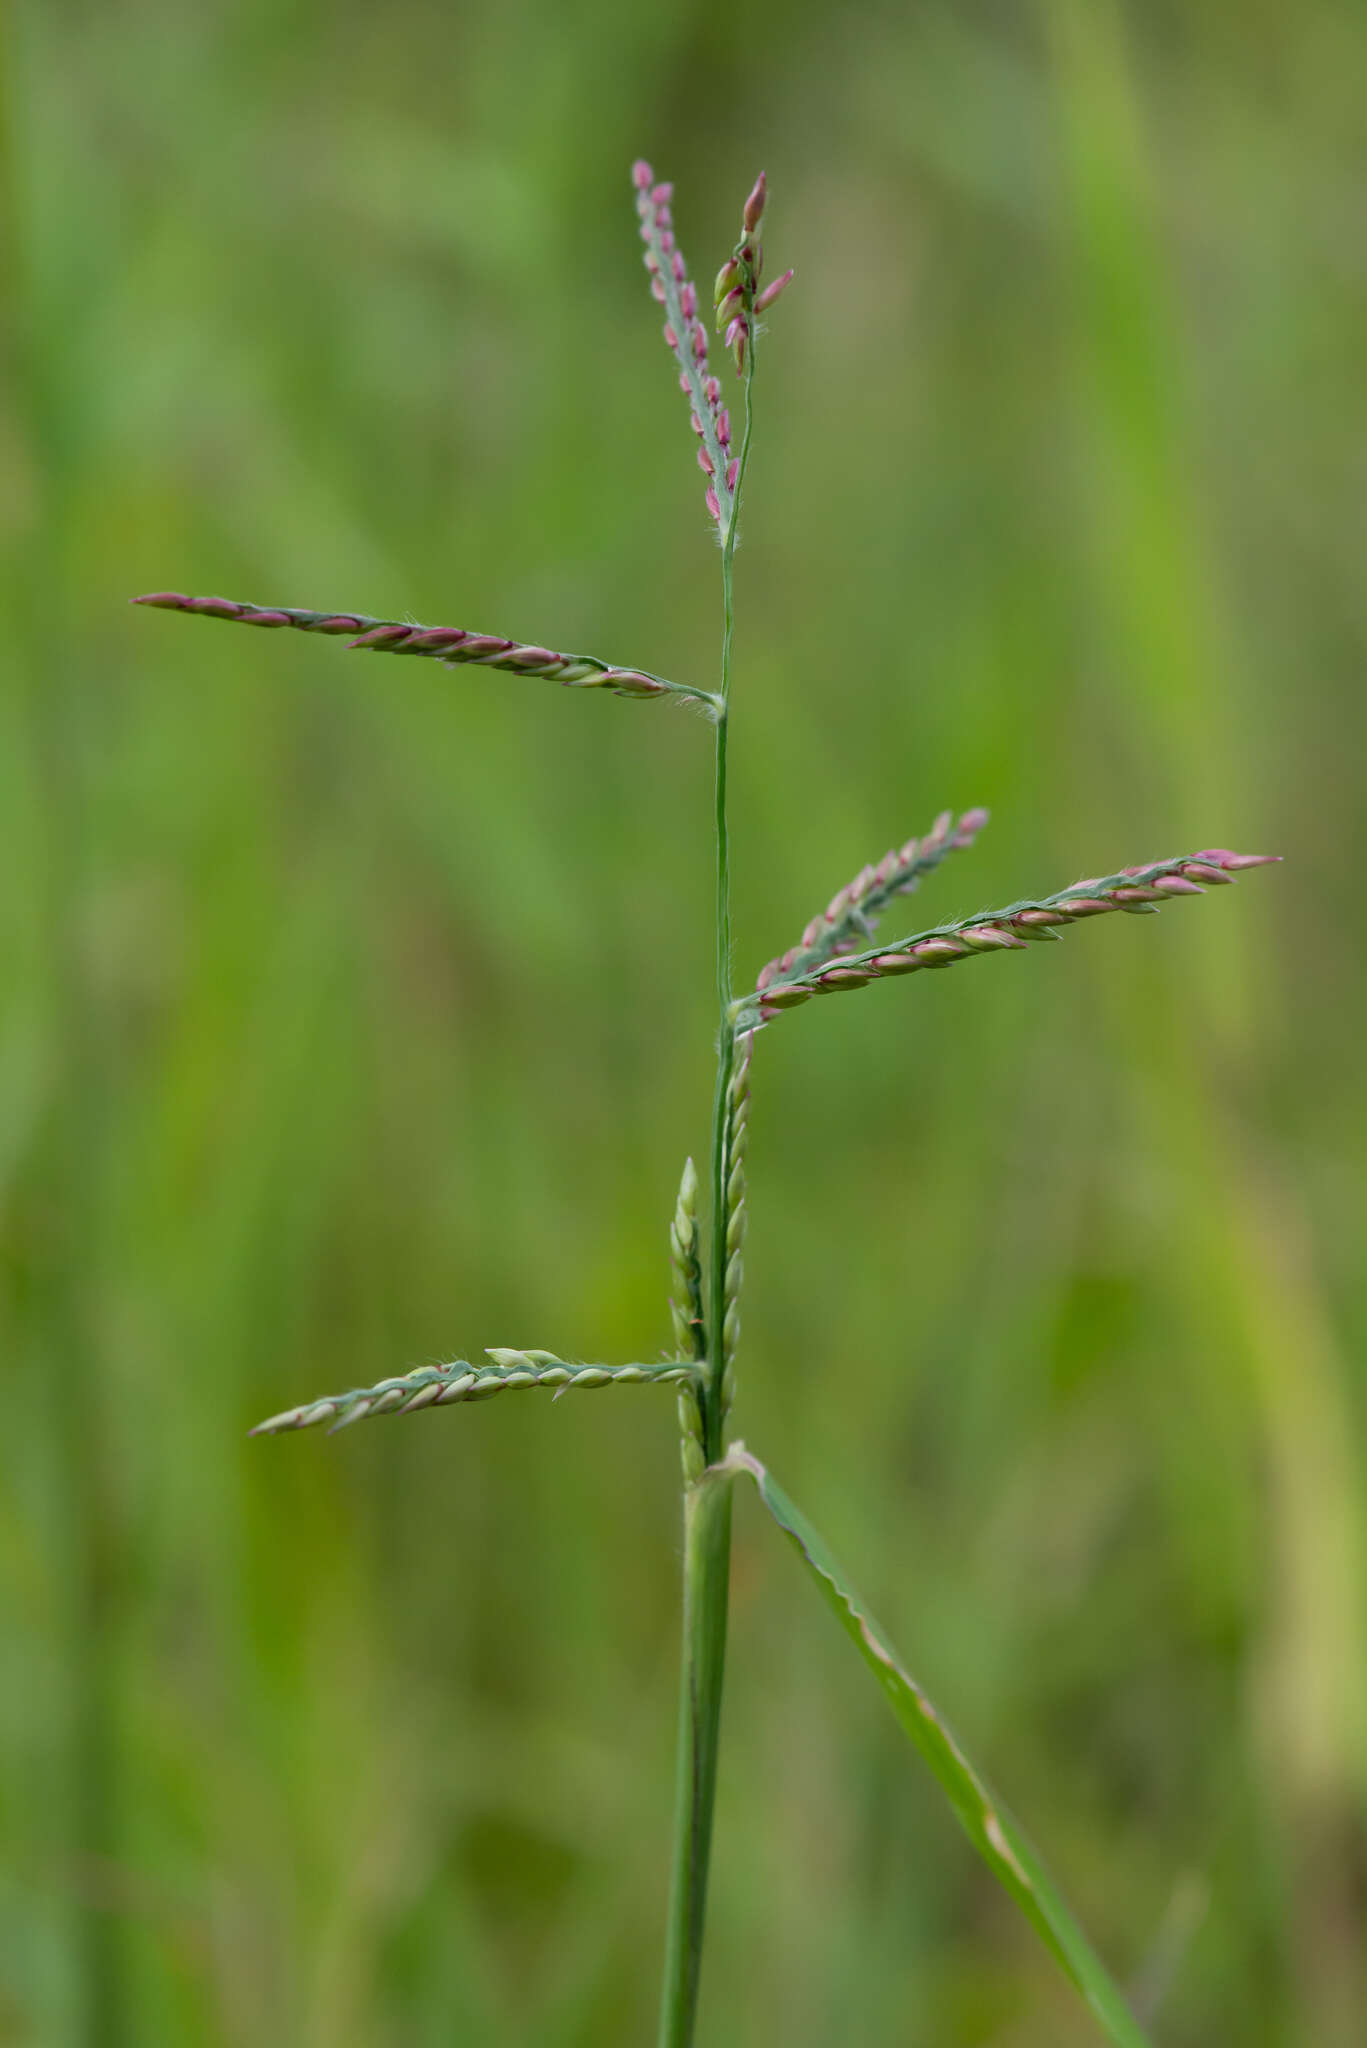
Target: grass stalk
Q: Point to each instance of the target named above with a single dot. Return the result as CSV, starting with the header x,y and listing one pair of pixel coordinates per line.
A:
x,y
706,1582
707,1509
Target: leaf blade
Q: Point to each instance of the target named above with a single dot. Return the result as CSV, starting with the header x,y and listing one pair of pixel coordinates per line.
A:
x,y
989,1826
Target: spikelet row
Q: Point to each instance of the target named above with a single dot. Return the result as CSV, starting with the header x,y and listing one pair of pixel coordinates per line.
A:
x,y
854,910
438,1386
451,645
686,336
1138,890
735,1139
690,1325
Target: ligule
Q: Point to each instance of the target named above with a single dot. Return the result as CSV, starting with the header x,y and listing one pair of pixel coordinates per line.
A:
x,y
1138,891
451,645
439,1386
854,911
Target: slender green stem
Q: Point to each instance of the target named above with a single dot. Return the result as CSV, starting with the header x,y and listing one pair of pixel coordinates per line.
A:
x,y
726,1028
707,1507
707,1565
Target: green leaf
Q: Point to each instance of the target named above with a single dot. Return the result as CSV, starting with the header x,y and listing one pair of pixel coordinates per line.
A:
x,y
990,1828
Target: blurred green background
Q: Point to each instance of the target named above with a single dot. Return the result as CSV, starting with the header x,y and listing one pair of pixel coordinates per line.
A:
x,y
354,1014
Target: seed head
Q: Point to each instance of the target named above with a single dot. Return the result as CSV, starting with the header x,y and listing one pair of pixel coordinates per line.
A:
x,y
685,335
1136,890
451,645
854,911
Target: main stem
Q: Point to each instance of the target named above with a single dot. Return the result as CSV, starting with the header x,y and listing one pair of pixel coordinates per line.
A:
x,y
707,1506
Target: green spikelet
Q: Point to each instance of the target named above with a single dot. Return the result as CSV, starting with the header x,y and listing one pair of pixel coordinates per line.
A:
x,y
690,1329
736,1135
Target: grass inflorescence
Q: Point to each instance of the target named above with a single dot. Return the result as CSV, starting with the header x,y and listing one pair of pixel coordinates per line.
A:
x,y
836,950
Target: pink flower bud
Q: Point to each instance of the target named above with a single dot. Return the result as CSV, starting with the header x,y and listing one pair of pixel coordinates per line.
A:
x,y
699,335
661,195
754,205
735,332
688,300
657,289
711,391
440,637
724,427
1201,871
732,472
771,291
671,337
705,463
641,174
677,266
714,504
1221,857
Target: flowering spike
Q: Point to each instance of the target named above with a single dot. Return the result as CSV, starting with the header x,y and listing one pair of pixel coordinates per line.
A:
x,y
447,644
856,909
441,1385
1137,890
685,335
734,1137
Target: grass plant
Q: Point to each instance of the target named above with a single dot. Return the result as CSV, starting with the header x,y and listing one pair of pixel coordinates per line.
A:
x,y
836,951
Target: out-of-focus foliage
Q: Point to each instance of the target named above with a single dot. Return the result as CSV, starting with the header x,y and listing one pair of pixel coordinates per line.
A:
x,y
354,1015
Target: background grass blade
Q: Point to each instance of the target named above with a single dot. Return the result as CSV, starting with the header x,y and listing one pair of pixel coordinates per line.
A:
x,y
986,1822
